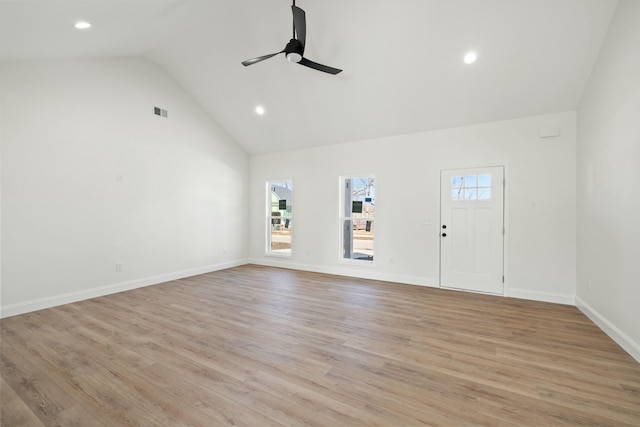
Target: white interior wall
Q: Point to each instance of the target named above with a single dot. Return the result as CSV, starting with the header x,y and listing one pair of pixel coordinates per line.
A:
x,y
608,287
68,130
540,205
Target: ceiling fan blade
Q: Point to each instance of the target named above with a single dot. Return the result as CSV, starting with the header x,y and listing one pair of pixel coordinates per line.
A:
x,y
319,67
299,24
259,58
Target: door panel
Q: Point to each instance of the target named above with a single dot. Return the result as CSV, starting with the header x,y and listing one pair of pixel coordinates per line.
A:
x,y
458,241
471,233
482,228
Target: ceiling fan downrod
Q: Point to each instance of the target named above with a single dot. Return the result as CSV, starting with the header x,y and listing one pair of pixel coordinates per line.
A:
x,y
294,22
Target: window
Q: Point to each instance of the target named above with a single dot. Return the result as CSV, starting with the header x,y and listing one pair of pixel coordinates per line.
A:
x,y
279,217
357,217
471,187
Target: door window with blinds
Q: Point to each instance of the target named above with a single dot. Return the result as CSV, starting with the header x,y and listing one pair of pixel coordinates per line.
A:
x,y
357,218
279,217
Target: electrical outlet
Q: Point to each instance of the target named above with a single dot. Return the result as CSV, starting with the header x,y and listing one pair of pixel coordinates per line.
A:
x,y
225,251
308,252
391,261
119,267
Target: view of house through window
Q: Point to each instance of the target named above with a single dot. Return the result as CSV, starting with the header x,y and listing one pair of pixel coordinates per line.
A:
x,y
279,217
358,210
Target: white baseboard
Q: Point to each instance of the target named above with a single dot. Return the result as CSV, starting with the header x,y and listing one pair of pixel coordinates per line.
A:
x,y
361,273
48,302
541,296
623,340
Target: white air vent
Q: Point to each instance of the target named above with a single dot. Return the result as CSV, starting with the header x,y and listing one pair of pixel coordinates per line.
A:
x,y
160,112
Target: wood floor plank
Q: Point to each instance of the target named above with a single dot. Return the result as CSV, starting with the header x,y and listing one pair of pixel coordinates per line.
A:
x,y
263,346
35,387
15,411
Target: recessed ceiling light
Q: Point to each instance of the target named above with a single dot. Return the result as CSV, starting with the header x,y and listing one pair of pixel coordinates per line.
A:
x,y
260,110
82,25
470,57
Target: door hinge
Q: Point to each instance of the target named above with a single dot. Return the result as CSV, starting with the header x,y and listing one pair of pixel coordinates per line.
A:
x,y
502,279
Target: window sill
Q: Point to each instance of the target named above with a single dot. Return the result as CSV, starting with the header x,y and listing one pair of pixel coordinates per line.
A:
x,y
360,262
279,254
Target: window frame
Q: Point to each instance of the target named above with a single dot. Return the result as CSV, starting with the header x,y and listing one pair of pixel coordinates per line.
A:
x,y
269,218
342,218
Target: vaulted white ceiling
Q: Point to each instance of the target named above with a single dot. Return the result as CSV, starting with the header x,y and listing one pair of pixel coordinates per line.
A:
x,y
402,59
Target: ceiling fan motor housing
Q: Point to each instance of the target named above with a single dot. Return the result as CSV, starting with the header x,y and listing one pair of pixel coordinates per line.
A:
x,y
294,50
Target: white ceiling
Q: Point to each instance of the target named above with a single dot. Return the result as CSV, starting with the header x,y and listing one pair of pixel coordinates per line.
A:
x,y
402,59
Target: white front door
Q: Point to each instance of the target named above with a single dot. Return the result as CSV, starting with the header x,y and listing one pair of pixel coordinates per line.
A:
x,y
472,229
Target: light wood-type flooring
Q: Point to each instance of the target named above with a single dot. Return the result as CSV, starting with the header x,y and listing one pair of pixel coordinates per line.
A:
x,y
259,346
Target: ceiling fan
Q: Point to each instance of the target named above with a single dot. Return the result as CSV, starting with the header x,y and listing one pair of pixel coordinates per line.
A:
x,y
294,50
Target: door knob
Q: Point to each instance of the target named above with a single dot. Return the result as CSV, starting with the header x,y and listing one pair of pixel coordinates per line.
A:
x,y
444,234
444,226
